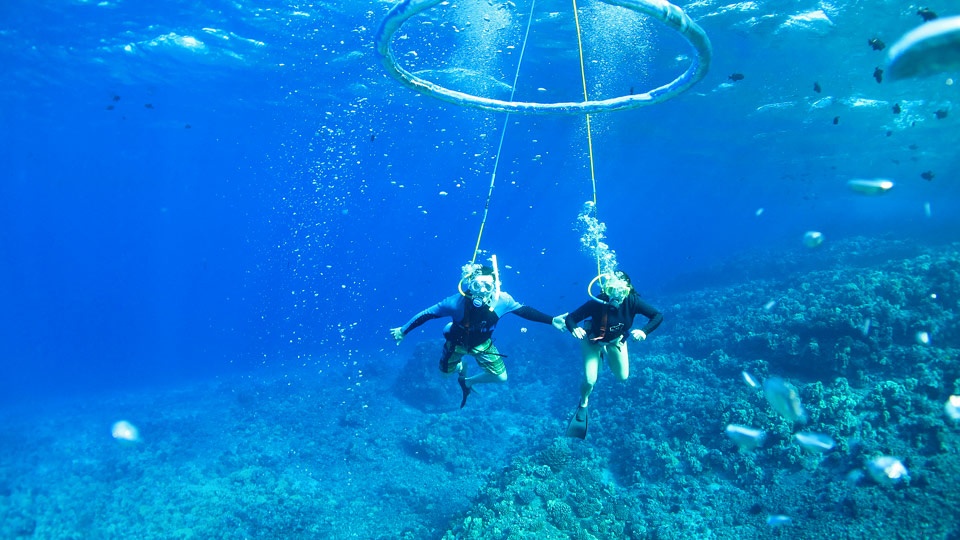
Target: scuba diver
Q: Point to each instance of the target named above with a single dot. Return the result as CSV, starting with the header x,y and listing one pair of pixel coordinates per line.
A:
x,y
475,311
605,335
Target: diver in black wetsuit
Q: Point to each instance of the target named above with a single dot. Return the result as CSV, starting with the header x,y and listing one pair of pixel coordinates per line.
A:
x,y
610,317
475,312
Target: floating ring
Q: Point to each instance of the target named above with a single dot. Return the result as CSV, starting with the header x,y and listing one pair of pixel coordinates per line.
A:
x,y
662,10
932,47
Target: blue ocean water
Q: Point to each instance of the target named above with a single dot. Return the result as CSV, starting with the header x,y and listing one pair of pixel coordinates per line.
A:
x,y
220,199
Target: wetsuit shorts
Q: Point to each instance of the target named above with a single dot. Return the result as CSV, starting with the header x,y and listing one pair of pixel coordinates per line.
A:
x,y
486,354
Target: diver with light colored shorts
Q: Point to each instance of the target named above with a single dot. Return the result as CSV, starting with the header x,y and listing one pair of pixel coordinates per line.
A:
x,y
474,311
607,319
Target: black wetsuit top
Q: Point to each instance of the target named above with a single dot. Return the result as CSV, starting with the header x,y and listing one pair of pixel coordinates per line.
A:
x,y
618,320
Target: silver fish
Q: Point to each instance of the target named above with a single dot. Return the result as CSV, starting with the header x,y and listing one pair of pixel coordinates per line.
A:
x,y
812,239
784,399
778,520
746,438
887,470
877,186
816,443
952,407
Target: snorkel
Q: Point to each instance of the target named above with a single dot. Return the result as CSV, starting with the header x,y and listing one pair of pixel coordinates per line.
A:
x,y
496,282
468,272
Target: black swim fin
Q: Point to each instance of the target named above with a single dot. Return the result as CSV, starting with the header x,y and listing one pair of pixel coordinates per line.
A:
x,y
463,388
578,424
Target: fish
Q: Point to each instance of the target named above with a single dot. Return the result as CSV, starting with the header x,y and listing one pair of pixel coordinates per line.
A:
x,y
878,75
836,120
876,44
778,520
748,378
747,438
941,114
785,399
876,186
927,175
815,443
816,87
952,408
125,431
812,239
927,14
896,108
736,77
887,470
854,477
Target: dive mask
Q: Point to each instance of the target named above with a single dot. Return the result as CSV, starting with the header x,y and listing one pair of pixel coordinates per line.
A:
x,y
481,289
616,290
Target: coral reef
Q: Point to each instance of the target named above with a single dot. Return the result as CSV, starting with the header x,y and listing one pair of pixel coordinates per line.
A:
x,y
387,453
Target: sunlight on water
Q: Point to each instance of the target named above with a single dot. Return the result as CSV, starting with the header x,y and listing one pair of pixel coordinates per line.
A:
x,y
619,43
486,40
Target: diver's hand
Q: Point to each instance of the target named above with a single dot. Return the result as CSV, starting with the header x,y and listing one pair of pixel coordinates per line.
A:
x,y
397,334
579,333
560,322
638,335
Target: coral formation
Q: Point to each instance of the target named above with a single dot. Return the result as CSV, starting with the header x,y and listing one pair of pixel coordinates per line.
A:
x,y
392,456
